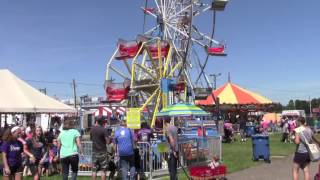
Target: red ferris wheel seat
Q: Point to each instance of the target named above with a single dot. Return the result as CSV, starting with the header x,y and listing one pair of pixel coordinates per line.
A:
x,y
117,92
216,51
164,49
148,10
180,87
127,49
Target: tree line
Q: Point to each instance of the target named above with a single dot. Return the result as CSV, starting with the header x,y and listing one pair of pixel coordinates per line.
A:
x,y
298,104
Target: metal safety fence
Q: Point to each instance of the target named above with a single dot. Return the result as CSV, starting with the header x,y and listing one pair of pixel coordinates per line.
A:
x,y
153,156
85,162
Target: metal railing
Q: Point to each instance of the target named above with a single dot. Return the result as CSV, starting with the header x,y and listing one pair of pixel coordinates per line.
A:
x,y
85,164
153,155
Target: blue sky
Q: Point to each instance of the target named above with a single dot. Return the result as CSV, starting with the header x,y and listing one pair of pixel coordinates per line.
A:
x,y
272,45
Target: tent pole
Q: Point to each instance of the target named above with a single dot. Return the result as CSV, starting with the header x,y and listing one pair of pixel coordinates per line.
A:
x,y
5,120
49,121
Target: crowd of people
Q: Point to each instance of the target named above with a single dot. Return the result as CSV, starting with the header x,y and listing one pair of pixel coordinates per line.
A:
x,y
31,152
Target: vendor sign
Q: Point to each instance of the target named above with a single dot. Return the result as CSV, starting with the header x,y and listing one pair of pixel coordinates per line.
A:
x,y
133,118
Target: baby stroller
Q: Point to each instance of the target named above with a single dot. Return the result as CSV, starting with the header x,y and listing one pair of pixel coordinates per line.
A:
x,y
228,133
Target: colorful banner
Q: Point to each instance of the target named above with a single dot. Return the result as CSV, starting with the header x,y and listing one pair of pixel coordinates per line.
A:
x,y
134,118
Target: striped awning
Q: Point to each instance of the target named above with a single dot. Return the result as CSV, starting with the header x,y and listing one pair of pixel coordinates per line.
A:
x,y
106,111
182,109
103,111
233,94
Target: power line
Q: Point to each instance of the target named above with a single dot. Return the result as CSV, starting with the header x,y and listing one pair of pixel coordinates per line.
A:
x,y
63,82
89,84
49,82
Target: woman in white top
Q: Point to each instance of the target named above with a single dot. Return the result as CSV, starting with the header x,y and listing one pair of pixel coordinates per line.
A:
x,y
301,157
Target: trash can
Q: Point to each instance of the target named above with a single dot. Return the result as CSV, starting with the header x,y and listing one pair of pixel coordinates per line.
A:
x,y
260,147
250,130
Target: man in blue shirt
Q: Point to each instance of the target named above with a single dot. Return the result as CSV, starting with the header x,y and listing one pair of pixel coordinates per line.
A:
x,y
124,141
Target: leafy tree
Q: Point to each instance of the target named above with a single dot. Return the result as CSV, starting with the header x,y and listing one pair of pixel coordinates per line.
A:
x,y
290,105
278,108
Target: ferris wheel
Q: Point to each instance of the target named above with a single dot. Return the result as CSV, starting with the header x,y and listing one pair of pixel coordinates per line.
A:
x,y
162,65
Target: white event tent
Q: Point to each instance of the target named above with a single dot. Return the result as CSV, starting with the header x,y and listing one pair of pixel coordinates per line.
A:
x,y
16,96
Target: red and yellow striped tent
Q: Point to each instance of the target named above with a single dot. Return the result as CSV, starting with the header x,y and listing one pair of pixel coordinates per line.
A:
x,y
231,93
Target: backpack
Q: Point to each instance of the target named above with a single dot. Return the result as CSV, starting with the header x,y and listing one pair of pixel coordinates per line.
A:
x,y
125,145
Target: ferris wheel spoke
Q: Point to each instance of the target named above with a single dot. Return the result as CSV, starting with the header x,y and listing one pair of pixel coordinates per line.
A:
x,y
158,7
174,44
184,34
155,112
162,7
171,7
169,33
205,36
152,30
179,12
175,68
176,29
150,98
127,66
119,73
188,78
146,70
166,9
110,61
203,9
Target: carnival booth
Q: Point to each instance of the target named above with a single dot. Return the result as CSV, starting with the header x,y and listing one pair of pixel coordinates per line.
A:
x,y
199,141
235,98
192,120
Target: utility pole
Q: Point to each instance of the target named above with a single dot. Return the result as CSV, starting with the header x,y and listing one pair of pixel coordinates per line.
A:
x,y
74,93
310,106
43,90
214,78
